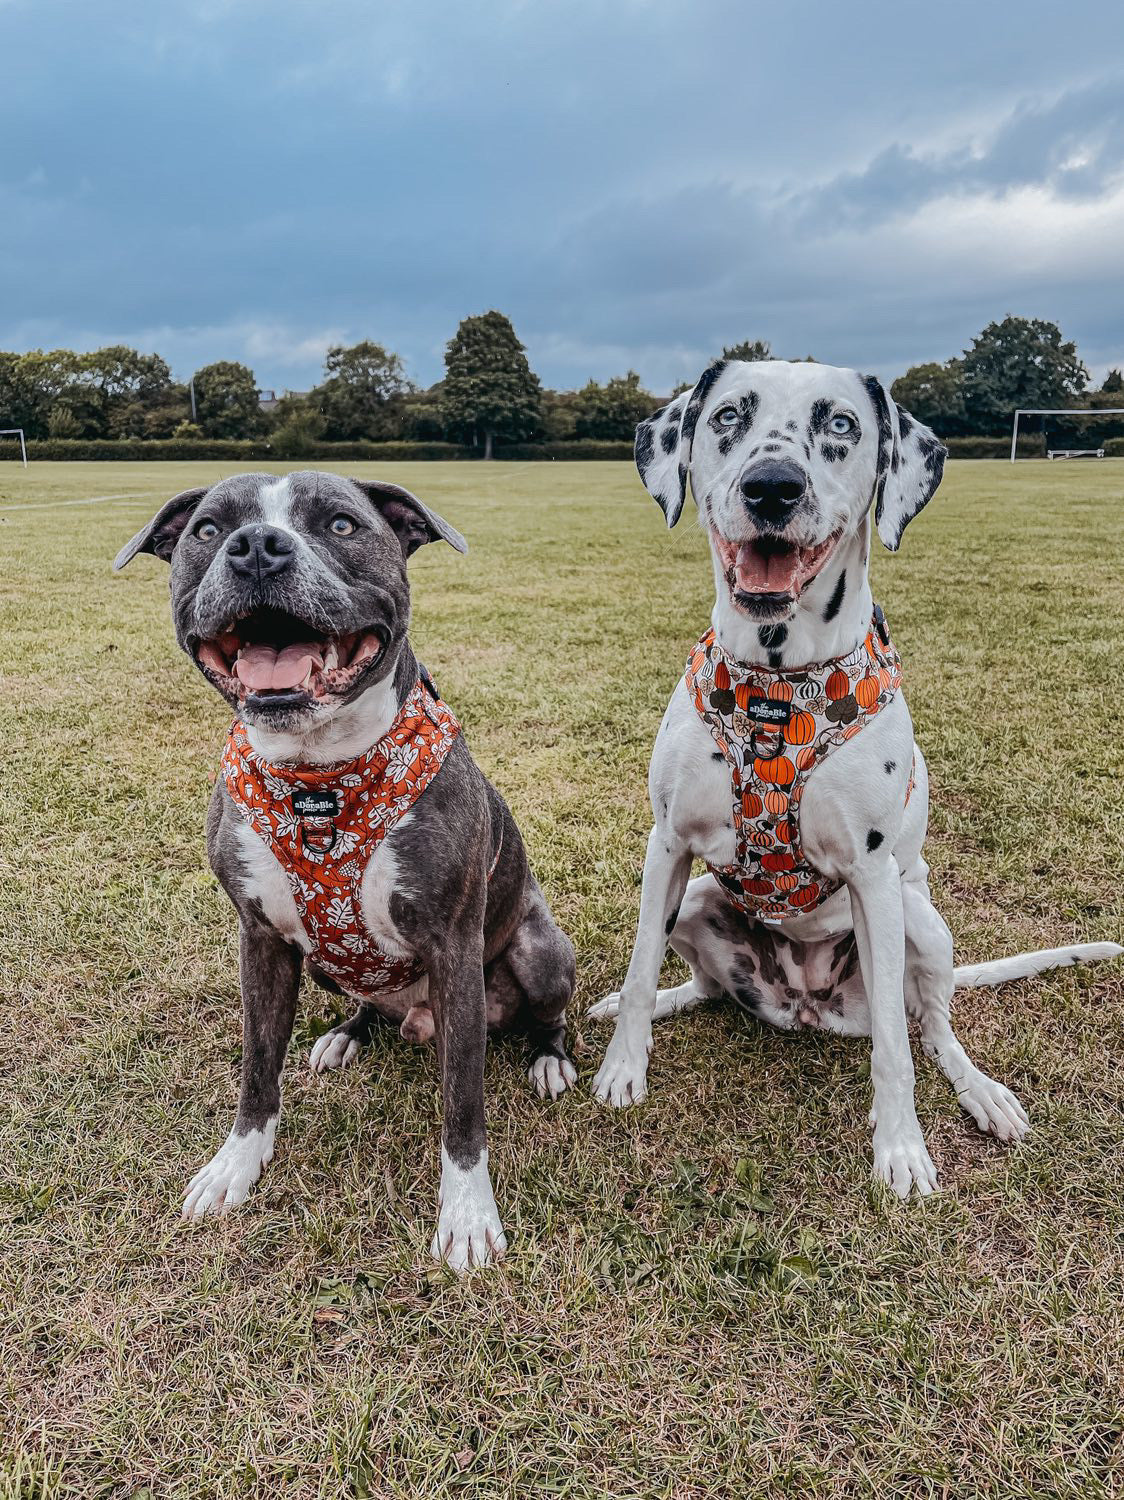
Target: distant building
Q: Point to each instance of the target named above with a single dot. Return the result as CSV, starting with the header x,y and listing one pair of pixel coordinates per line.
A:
x,y
269,400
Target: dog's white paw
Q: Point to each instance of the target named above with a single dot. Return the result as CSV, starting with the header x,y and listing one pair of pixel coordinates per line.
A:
x,y
605,1010
552,1075
994,1108
469,1232
335,1049
226,1180
622,1078
902,1161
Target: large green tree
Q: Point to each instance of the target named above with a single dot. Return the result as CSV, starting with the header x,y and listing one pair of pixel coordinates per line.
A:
x,y
1019,362
490,391
32,385
748,350
934,394
611,411
363,392
226,400
120,392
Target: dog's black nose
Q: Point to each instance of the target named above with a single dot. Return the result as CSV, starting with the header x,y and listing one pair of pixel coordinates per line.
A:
x,y
258,551
772,489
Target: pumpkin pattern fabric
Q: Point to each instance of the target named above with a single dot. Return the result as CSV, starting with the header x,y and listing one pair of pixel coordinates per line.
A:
x,y
323,824
773,729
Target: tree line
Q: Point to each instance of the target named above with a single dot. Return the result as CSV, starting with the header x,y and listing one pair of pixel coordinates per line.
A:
x,y
489,393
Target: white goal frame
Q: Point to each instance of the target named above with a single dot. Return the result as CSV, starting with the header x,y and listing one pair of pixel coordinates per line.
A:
x,y
1060,411
16,432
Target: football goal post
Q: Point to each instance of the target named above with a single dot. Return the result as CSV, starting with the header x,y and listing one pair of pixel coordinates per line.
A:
x,y
1064,411
16,432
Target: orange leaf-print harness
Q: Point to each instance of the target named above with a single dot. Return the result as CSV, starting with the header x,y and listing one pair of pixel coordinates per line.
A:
x,y
773,729
323,824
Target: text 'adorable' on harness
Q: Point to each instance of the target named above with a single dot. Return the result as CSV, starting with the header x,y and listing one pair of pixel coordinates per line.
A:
x,y
324,823
773,728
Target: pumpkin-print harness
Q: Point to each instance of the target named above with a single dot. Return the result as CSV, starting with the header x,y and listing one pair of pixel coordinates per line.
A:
x,y
773,729
324,824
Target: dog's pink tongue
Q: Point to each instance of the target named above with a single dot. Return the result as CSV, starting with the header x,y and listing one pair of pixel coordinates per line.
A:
x,y
263,669
760,572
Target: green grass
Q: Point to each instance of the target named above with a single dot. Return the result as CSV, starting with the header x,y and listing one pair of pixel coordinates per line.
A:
x,y
704,1296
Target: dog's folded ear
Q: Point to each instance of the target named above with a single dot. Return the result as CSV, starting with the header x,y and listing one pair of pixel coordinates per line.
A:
x,y
656,451
414,523
910,464
164,530
663,444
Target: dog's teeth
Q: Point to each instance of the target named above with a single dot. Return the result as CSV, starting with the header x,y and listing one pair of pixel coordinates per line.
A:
x,y
331,657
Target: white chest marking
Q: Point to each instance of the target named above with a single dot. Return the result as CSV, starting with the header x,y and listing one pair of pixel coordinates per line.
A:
x,y
381,879
267,884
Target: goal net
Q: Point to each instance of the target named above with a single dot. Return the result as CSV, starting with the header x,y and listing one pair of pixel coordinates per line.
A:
x,y
1068,432
17,434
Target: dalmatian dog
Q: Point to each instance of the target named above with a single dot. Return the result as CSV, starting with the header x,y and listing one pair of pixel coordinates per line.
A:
x,y
791,465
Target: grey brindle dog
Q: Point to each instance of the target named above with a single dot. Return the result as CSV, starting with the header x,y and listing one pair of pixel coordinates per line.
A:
x,y
259,567
787,463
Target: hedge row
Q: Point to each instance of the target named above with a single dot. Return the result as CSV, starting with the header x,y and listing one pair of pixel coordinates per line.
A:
x,y
260,450
1030,446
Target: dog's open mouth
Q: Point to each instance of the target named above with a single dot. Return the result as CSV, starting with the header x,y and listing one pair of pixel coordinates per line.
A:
x,y
271,654
769,567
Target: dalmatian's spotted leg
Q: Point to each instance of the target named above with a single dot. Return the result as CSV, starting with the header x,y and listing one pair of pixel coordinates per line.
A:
x,y
668,1002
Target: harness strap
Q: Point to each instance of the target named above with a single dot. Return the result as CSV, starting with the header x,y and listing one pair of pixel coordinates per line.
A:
x,y
773,728
324,823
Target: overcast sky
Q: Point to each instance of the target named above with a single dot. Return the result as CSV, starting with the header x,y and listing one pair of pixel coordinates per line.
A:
x,y
634,182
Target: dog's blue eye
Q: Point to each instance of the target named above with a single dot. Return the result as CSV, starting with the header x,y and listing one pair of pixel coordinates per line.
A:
x,y
842,424
342,526
206,530
727,417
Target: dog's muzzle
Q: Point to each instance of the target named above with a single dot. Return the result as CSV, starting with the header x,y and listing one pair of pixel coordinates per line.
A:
x,y
772,489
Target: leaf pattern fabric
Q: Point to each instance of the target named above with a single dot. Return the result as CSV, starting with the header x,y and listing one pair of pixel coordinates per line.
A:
x,y
773,729
324,857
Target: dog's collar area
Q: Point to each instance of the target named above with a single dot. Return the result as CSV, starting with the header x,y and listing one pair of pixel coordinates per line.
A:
x,y
879,632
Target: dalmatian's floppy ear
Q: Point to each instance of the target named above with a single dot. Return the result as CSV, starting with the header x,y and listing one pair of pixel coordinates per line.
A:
x,y
910,464
663,444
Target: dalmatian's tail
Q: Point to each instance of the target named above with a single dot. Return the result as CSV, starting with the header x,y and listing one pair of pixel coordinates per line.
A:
x,y
1026,965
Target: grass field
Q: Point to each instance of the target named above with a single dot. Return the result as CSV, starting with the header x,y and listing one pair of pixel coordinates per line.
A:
x,y
704,1296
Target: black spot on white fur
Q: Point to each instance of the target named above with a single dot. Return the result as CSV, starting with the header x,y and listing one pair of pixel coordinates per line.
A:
x,y
890,767
874,839
835,603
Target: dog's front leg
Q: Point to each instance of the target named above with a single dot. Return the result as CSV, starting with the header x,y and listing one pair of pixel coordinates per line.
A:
x,y
900,1157
622,1078
270,971
469,1232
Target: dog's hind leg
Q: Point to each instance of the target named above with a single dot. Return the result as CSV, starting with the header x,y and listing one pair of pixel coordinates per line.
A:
x,y
689,940
539,965
928,993
340,1047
